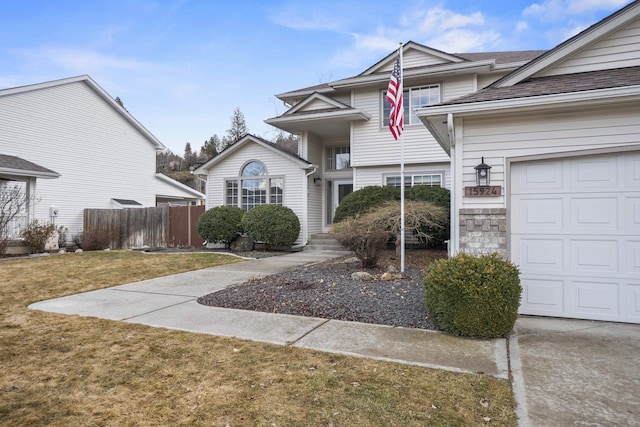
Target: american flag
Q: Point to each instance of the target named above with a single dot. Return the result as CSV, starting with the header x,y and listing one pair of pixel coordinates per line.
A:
x,y
394,96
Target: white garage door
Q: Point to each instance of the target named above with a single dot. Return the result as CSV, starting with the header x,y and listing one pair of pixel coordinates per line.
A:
x,y
575,234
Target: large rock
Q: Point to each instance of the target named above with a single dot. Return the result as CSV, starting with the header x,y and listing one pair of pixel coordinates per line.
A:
x,y
362,276
242,244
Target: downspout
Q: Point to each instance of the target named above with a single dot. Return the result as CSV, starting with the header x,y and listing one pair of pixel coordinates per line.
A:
x,y
454,232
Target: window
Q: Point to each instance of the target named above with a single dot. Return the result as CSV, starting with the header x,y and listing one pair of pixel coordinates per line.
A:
x,y
413,98
338,158
254,187
433,180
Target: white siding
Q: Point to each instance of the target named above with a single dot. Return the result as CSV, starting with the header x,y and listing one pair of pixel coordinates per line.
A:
x,y
277,165
71,130
414,58
485,80
620,49
373,144
537,134
458,86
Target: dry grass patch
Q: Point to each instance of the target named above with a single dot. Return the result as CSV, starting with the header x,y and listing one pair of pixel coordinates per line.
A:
x,y
70,370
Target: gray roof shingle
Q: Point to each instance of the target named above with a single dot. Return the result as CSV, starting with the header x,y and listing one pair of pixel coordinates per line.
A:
x,y
17,163
551,85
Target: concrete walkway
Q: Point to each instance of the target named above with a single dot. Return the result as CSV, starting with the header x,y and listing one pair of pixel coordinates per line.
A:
x,y
564,372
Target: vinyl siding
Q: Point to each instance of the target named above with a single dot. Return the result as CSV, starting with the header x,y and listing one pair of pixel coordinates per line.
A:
x,y
485,80
414,58
277,166
540,134
71,130
620,49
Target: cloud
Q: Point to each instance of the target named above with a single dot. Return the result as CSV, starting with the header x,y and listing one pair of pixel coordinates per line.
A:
x,y
522,26
559,10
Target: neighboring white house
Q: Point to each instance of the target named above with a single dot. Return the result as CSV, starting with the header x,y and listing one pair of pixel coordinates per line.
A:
x,y
562,137
345,143
102,157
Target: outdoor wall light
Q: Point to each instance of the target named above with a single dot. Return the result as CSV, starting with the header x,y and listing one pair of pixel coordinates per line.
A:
x,y
483,174
317,179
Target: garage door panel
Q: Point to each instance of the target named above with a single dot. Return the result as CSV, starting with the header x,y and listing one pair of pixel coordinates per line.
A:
x,y
594,214
538,176
597,300
593,173
542,296
632,217
535,214
632,170
632,301
540,254
632,257
594,256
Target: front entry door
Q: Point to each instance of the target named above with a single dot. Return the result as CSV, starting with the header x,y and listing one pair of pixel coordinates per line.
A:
x,y
340,188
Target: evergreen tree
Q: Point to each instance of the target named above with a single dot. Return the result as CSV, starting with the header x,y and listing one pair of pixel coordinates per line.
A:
x,y
210,147
237,130
189,156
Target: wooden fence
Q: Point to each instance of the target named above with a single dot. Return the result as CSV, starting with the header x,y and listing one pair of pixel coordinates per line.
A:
x,y
158,227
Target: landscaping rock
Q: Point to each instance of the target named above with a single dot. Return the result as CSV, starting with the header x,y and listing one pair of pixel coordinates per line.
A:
x,y
362,276
242,244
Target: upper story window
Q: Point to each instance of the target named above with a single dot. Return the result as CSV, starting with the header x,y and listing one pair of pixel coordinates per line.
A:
x,y
254,187
413,98
338,158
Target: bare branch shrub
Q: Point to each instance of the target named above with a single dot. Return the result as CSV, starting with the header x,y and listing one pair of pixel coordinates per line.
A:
x,y
363,239
36,235
368,234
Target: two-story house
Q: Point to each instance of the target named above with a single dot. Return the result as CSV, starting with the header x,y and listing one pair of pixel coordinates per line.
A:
x,y
345,143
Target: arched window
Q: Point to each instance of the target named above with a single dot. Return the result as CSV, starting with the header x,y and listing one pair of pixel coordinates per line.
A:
x,y
254,168
255,186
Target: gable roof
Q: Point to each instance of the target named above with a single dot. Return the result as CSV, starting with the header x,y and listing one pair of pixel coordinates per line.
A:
x,y
572,45
246,139
98,90
451,64
16,166
177,184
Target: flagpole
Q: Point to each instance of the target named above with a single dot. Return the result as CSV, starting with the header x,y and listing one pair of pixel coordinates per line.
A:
x,y
402,238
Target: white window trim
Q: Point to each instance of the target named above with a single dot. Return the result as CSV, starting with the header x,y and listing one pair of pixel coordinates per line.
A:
x,y
412,176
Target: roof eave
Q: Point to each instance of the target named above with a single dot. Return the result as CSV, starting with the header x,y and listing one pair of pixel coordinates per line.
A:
x,y
539,102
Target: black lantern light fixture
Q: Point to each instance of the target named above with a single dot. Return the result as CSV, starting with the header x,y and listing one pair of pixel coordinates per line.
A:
x,y
483,174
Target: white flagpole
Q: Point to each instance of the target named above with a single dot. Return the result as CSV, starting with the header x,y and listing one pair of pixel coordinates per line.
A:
x,y
401,172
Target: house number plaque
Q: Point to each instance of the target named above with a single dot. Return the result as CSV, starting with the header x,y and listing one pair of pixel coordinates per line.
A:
x,y
480,191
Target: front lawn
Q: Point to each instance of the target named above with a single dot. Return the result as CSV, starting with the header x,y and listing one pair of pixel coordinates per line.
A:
x,y
69,370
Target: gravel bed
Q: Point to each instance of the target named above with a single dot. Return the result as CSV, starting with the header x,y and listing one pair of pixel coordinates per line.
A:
x,y
327,290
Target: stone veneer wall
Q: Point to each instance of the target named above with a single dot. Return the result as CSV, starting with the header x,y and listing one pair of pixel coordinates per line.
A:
x,y
483,231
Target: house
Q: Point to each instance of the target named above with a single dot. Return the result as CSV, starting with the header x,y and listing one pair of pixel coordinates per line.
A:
x,y
561,135
99,154
345,143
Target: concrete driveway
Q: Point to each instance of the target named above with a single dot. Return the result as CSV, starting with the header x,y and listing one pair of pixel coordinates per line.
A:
x,y
576,372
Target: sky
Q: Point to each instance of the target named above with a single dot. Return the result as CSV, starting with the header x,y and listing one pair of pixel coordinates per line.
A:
x,y
181,67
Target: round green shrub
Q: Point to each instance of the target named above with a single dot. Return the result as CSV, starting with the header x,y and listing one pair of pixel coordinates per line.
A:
x,y
473,296
275,225
220,224
363,200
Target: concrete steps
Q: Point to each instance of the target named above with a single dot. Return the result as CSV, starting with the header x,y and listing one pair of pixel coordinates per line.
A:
x,y
324,243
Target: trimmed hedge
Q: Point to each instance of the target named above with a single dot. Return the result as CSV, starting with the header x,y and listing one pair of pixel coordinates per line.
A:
x,y
274,225
473,296
220,224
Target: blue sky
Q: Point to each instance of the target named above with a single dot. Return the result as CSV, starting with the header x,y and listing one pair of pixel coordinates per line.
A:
x,y
182,67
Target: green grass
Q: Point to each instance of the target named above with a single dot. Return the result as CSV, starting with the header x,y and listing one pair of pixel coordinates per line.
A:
x,y
67,370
